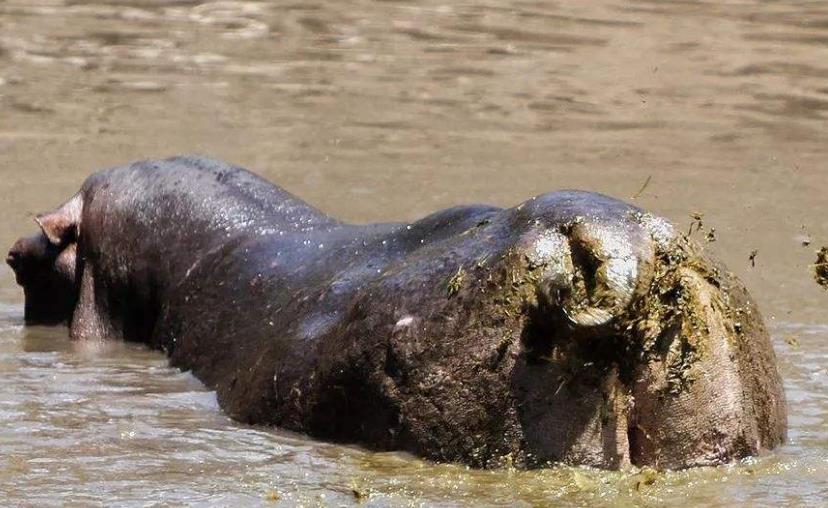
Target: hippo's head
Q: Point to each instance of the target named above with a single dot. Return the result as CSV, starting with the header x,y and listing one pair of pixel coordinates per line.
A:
x,y
44,265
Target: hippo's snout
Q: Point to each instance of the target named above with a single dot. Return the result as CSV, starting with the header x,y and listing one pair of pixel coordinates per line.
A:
x,y
13,259
18,255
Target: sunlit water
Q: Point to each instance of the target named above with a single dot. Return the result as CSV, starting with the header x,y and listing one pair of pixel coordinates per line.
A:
x,y
103,423
388,110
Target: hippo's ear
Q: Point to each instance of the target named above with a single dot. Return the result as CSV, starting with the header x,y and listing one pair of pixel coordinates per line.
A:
x,y
61,226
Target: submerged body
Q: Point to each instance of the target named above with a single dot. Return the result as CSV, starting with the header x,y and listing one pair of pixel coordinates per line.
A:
x,y
570,328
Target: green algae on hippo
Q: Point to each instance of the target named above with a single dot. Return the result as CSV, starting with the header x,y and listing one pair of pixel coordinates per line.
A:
x,y
571,328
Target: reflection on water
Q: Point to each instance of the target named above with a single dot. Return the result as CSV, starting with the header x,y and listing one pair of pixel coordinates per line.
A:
x,y
389,110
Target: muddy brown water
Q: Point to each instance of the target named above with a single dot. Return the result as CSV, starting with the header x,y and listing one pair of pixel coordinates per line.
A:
x,y
377,110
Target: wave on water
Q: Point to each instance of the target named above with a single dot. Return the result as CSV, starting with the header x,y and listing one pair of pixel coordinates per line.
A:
x,y
11,317
807,328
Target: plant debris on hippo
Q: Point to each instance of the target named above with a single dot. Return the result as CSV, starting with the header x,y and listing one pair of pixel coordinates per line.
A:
x,y
571,328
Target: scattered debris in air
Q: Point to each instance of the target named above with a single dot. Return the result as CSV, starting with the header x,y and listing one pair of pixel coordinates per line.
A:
x,y
804,237
711,235
643,187
697,226
752,257
698,222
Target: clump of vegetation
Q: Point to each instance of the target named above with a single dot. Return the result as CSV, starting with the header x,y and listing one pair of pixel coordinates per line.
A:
x,y
668,320
821,267
360,491
711,235
455,282
645,477
697,222
697,226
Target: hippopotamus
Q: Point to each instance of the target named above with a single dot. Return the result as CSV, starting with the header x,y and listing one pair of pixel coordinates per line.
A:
x,y
572,328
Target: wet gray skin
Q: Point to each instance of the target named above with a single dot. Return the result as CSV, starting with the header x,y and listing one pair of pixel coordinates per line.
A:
x,y
571,328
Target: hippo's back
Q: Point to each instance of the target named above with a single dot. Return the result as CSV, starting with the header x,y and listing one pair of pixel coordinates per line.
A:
x,y
195,189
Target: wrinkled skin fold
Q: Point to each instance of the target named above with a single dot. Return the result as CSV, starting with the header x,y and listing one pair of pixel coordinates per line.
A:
x,y
571,328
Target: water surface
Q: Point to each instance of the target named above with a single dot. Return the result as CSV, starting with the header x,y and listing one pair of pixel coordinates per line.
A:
x,y
387,110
